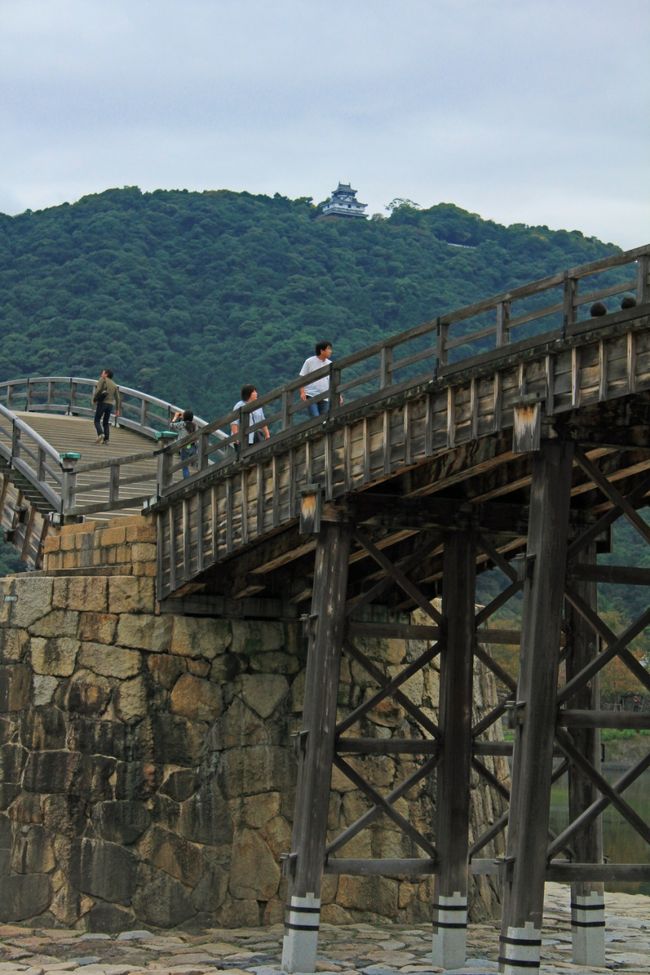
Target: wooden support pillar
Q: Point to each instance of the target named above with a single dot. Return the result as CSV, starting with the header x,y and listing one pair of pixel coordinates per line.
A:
x,y
304,864
587,897
455,720
525,865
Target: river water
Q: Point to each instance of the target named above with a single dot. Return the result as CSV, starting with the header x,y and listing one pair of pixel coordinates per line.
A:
x,y
622,844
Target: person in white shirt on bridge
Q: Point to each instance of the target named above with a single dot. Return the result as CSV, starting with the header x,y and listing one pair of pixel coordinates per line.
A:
x,y
322,385
249,394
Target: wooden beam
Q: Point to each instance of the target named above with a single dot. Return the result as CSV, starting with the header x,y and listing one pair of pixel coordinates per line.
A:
x,y
533,755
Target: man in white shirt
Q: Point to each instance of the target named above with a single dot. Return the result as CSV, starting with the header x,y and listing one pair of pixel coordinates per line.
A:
x,y
318,386
248,393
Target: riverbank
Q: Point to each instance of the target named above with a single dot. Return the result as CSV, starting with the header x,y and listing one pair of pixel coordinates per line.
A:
x,y
347,949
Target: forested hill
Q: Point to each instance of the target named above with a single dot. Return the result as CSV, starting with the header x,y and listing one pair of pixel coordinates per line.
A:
x,y
188,295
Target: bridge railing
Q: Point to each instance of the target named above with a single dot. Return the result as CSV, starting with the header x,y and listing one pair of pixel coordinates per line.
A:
x,y
34,458
525,316
146,414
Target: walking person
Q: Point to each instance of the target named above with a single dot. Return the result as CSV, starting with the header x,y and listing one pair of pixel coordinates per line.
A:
x,y
183,422
248,394
106,398
322,385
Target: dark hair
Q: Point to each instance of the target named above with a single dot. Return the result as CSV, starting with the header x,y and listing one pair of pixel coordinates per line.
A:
x,y
597,309
321,346
629,301
247,391
109,373
188,415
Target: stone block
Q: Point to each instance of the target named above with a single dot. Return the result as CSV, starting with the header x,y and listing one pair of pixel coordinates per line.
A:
x,y
26,809
110,661
13,644
53,772
43,689
165,669
64,815
195,636
88,693
108,919
142,532
261,768
175,856
5,833
143,552
148,569
65,905
8,792
131,700
176,741
145,632
93,737
180,784
15,687
33,599
51,544
24,896
263,693
99,770
254,872
130,594
161,900
32,851
196,699
374,894
259,810
121,821
107,871
110,536
205,817
200,668
253,637
136,780
275,662
54,657
211,890
43,728
97,627
277,836
12,761
84,593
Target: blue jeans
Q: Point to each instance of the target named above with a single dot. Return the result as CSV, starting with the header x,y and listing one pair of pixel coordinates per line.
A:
x,y
315,409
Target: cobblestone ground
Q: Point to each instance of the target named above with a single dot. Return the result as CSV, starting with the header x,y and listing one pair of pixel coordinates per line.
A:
x,y
348,949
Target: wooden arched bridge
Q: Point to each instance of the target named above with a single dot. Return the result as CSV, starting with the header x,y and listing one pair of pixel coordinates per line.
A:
x,y
509,435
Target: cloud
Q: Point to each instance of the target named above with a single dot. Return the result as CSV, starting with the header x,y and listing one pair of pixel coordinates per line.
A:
x,y
504,107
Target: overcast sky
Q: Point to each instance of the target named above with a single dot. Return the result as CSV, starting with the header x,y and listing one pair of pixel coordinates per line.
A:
x,y
521,111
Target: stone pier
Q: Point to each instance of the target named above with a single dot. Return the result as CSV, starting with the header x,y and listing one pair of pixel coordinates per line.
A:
x,y
146,768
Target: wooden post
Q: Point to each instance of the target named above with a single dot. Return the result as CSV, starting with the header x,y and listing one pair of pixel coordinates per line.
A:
x,y
68,483
587,897
525,865
304,865
452,794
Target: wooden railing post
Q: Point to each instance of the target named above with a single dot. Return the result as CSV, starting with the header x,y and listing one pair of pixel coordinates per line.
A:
x,y
335,383
503,317
386,367
15,440
165,459
643,280
442,329
69,483
569,302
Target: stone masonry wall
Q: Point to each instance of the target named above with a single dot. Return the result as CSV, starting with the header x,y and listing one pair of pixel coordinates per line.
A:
x,y
146,771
